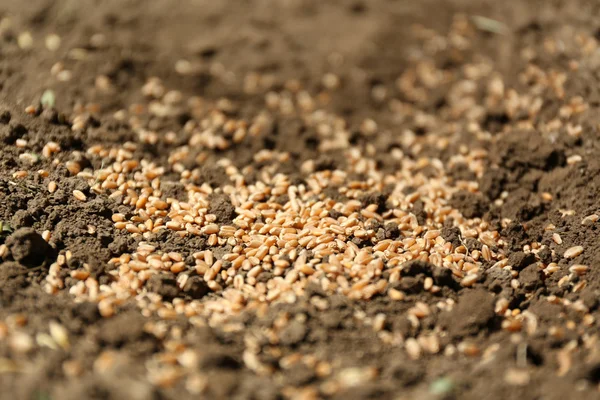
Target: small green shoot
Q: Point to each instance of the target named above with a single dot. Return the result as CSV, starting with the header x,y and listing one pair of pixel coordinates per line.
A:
x,y
5,228
441,386
48,99
490,25
42,395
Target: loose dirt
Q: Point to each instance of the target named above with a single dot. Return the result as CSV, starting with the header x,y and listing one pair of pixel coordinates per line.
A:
x,y
299,200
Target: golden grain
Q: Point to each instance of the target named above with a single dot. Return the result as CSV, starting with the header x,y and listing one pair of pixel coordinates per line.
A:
x,y
573,252
79,195
579,269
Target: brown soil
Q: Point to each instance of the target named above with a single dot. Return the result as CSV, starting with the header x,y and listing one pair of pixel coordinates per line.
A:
x,y
537,178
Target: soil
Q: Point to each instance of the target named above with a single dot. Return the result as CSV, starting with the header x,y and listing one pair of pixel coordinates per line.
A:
x,y
540,176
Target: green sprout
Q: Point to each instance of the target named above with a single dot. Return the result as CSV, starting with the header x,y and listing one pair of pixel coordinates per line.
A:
x,y
42,395
5,228
441,386
48,99
490,25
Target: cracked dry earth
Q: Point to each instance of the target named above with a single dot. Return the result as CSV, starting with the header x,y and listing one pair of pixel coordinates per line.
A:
x,y
299,200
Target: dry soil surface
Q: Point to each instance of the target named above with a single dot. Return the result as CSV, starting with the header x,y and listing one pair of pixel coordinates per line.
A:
x,y
299,199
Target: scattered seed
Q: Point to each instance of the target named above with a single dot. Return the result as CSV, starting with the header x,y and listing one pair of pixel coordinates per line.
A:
x,y
59,334
573,252
379,322
590,219
556,238
579,269
79,195
413,349
516,377
469,280
25,40
53,42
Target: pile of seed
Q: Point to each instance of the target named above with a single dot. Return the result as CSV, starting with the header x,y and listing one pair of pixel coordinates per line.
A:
x,y
348,246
